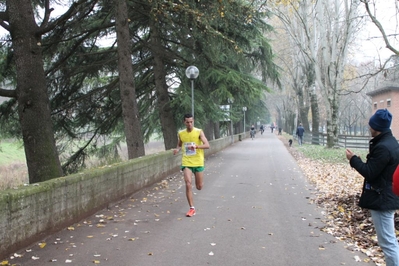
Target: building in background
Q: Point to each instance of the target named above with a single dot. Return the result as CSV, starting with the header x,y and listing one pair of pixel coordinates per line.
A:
x,y
387,97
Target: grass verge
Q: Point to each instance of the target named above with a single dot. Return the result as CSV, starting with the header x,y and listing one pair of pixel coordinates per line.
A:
x,y
11,152
13,170
323,154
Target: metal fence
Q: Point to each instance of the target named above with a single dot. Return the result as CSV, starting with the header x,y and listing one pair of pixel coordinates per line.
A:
x,y
344,141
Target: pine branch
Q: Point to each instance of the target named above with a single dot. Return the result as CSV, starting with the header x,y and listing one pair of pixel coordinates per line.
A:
x,y
8,93
47,26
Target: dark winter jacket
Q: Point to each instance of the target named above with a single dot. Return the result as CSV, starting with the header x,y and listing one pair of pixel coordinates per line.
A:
x,y
299,131
381,163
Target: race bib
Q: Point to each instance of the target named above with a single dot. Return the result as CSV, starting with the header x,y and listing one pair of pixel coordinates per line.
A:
x,y
189,147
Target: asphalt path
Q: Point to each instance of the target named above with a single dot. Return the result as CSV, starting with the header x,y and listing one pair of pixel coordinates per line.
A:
x,y
254,209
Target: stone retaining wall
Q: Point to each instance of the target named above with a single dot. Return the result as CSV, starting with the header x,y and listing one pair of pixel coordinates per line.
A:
x,y
28,214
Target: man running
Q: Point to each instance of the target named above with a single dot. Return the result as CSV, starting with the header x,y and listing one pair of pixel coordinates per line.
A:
x,y
192,141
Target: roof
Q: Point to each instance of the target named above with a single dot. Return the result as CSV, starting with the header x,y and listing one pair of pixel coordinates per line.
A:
x,y
382,90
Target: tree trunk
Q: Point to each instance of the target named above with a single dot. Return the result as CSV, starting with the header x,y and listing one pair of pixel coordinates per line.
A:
x,y
130,113
303,109
216,130
168,124
314,106
279,119
289,122
208,130
332,126
33,102
330,135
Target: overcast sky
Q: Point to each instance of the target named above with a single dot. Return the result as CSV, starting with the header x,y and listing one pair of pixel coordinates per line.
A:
x,y
372,43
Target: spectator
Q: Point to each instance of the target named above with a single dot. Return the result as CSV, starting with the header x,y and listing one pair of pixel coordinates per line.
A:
x,y
377,194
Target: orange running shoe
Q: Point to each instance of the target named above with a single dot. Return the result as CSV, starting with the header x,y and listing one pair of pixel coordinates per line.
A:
x,y
191,212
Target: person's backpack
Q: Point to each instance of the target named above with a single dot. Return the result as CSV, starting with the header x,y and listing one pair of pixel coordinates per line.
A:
x,y
395,181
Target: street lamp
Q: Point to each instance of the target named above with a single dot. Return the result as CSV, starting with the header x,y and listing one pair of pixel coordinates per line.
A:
x,y
192,73
244,109
230,101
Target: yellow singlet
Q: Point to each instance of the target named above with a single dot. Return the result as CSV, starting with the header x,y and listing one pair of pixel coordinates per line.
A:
x,y
191,158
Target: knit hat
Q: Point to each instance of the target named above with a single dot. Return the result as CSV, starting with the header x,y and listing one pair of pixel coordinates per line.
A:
x,y
381,120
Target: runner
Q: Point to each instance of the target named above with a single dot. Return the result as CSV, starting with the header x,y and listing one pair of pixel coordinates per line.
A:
x,y
192,141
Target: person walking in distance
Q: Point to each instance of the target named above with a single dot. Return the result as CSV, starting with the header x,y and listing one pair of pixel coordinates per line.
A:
x,y
252,132
262,129
377,194
299,132
192,141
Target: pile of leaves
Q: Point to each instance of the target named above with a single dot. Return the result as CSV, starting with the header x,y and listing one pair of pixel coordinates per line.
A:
x,y
338,188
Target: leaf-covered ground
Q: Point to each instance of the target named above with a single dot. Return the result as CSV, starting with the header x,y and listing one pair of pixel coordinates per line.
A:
x,y
338,188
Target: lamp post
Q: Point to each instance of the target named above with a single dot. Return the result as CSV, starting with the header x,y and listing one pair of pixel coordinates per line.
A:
x,y
192,73
244,109
230,101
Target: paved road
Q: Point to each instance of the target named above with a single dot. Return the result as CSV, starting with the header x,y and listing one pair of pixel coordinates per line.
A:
x,y
254,210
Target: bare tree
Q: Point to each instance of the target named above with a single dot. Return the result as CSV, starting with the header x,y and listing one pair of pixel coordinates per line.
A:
x,y
323,31
353,112
294,64
378,24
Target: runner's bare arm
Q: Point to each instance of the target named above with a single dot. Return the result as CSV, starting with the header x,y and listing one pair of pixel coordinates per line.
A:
x,y
178,146
205,143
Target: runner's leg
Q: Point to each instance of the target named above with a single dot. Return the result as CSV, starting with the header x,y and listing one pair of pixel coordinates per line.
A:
x,y
199,179
189,190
